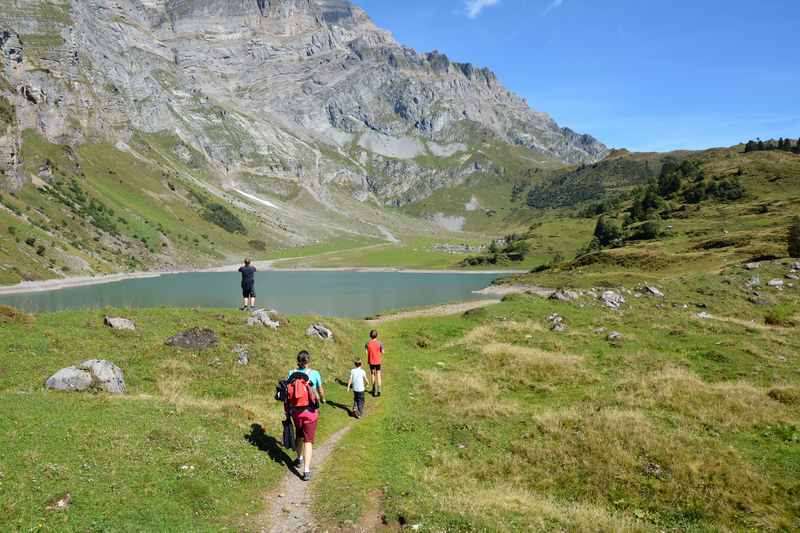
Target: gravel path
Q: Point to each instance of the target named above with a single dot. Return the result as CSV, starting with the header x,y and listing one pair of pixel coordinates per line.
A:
x,y
289,507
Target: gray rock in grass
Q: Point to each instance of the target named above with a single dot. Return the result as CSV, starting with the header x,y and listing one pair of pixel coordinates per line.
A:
x,y
319,331
261,318
613,300
653,291
564,295
97,373
119,324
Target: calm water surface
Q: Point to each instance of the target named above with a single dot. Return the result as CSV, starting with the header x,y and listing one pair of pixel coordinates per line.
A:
x,y
347,294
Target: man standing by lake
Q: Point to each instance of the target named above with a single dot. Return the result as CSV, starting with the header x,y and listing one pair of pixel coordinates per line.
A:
x,y
248,272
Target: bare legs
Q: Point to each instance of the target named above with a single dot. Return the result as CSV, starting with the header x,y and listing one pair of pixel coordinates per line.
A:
x,y
305,450
377,385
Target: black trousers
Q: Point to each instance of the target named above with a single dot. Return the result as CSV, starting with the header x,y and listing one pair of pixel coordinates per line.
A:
x,y
358,403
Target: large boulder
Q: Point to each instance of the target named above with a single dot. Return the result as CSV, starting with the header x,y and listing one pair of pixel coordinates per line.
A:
x,y
94,373
612,300
198,339
69,379
319,331
119,324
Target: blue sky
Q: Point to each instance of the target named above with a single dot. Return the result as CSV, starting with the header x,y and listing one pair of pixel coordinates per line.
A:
x,y
640,74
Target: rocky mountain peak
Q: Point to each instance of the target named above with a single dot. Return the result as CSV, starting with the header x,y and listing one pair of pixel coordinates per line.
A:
x,y
310,91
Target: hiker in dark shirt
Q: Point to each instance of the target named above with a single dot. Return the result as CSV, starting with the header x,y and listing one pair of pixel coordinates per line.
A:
x,y
248,272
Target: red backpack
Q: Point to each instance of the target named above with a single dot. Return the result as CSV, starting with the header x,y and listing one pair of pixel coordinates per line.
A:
x,y
300,393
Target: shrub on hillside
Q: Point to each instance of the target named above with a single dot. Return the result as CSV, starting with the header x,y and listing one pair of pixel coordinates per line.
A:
x,y
221,216
649,230
781,316
607,231
259,246
794,238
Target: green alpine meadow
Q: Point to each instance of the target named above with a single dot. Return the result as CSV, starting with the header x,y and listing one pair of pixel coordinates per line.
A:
x,y
265,267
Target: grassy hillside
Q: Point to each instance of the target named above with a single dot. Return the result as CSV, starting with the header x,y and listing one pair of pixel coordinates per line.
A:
x,y
178,453
491,422
100,209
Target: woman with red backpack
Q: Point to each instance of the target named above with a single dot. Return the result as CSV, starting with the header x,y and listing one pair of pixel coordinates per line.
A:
x,y
304,394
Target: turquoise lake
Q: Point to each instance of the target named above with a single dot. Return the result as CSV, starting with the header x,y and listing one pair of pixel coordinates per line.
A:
x,y
339,293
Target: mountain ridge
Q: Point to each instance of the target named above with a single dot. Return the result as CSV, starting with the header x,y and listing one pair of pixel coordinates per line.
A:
x,y
302,118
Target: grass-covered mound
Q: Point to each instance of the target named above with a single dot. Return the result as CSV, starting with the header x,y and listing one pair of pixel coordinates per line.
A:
x,y
178,453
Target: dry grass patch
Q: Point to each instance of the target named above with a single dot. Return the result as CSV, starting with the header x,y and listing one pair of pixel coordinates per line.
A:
x,y
500,331
725,405
466,395
539,513
9,315
786,395
620,457
530,363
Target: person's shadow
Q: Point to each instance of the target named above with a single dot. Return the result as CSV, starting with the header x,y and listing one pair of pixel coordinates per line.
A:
x,y
267,443
340,406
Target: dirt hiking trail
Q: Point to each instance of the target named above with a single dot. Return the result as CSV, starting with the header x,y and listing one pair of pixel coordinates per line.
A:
x,y
288,508
441,310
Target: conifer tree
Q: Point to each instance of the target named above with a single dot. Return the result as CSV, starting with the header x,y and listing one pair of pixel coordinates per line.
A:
x,y
607,231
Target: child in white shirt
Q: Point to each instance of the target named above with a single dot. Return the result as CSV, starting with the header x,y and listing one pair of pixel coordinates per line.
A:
x,y
359,382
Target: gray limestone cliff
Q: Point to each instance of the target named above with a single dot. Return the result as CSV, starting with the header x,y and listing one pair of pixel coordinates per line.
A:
x,y
306,91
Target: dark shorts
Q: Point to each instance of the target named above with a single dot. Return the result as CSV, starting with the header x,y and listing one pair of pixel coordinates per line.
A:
x,y
305,425
374,367
248,291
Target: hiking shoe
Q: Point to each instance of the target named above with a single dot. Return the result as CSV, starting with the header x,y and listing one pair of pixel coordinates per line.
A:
x,y
243,308
298,462
306,476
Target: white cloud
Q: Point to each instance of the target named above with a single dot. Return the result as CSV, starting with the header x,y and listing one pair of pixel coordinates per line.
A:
x,y
474,8
555,4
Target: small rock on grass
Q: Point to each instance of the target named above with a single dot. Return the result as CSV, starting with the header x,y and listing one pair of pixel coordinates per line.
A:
x,y
613,300
653,291
564,295
557,323
119,324
704,316
60,503
243,353
776,283
261,318
614,336
319,331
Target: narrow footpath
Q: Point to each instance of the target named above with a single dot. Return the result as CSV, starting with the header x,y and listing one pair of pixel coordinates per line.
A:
x,y
288,508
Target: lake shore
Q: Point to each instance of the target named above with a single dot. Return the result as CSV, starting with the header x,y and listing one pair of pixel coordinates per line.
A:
x,y
262,266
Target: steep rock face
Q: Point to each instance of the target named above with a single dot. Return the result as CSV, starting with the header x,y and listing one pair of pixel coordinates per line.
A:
x,y
304,90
